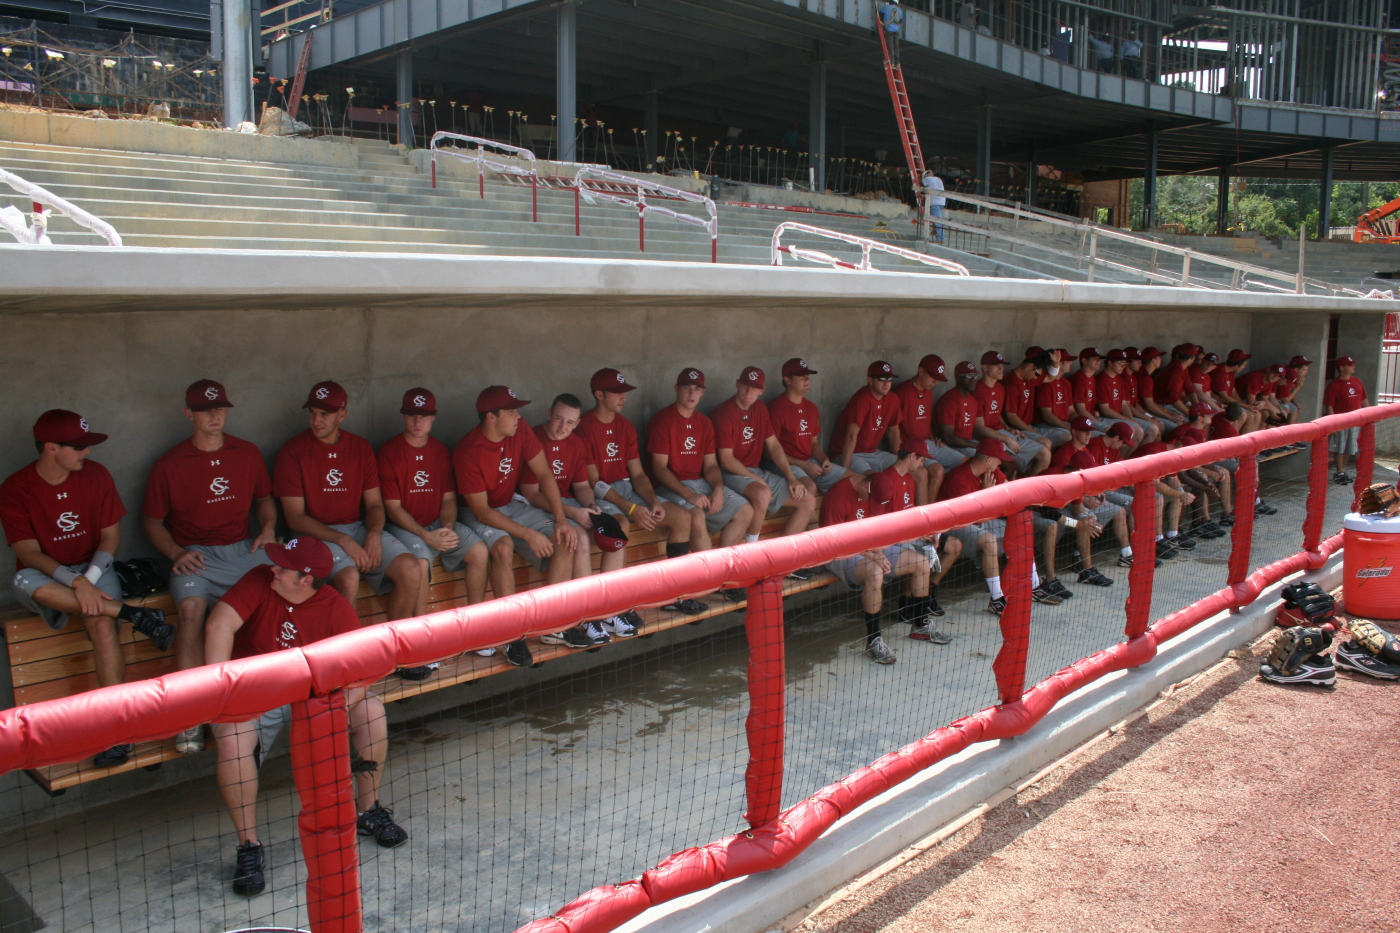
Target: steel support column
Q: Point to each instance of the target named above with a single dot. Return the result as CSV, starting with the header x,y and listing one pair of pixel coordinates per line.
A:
x,y
1032,178
650,120
816,124
1222,200
984,151
1324,197
404,92
238,62
1149,183
566,80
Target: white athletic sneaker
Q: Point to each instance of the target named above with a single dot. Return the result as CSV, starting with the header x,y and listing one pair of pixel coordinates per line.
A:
x,y
880,652
191,740
618,627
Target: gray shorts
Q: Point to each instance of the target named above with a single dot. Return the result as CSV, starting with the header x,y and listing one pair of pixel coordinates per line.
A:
x,y
810,468
733,502
1029,449
969,535
1288,407
224,565
1344,441
945,456
389,548
522,513
1056,436
872,462
845,567
776,485
1122,499
28,580
623,488
1232,465
452,560
1104,513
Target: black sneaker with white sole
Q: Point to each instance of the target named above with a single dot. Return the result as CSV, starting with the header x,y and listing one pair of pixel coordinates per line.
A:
x,y
518,654
1180,543
1317,669
1094,578
116,755
595,631
152,624
1042,594
417,674
574,637
379,822
1056,586
1165,551
1227,521
1263,508
1351,657
687,606
619,627
997,606
248,870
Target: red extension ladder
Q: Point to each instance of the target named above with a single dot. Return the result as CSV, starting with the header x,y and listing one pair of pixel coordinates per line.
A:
x,y
908,135
299,81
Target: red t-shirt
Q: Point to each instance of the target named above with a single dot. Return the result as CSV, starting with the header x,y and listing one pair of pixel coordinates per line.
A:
x,y
1199,379
1063,455
796,425
684,440
1222,381
270,623
916,410
903,490
992,400
1054,395
1020,397
205,497
67,519
332,478
417,477
1128,381
567,459
874,415
609,446
958,410
1220,427
1146,386
1288,383
1183,431
1257,384
841,504
1155,447
493,467
1170,383
1086,391
743,431
1103,454
961,480
1112,392
1344,395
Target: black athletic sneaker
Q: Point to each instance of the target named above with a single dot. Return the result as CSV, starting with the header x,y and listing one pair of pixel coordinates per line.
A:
x,y
933,608
632,618
997,606
1340,478
1263,508
574,637
735,594
1227,521
1094,578
1042,594
1179,543
1216,531
1352,657
518,653
1165,551
379,822
1125,560
1317,669
803,574
152,624
116,755
687,606
248,870
1056,586
417,674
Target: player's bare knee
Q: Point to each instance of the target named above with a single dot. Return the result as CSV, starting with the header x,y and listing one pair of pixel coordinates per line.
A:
x,y
405,570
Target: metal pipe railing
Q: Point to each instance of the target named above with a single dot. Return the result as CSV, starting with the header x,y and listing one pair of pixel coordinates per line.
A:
x,y
12,219
866,245
479,157
641,186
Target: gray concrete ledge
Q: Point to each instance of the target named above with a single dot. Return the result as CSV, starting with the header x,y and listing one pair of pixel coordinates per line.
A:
x,y
917,808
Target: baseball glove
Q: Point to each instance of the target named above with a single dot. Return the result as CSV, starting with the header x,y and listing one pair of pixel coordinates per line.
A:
x,y
1305,604
1375,640
1378,497
1296,645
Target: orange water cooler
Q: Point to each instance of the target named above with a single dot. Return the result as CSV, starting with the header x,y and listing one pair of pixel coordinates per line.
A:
x,y
1371,566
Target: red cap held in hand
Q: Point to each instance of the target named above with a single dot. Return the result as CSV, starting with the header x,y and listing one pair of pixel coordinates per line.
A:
x,y
607,532
205,395
418,401
326,396
68,428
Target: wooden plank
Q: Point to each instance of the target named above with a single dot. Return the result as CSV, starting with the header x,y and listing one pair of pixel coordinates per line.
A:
x,y
82,662
82,683
145,754
72,640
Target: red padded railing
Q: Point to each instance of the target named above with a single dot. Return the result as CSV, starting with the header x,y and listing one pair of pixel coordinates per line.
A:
x,y
312,679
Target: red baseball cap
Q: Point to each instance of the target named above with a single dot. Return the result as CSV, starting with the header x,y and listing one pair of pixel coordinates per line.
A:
x,y
1300,361
607,532
691,377
1201,408
418,401
993,447
1033,352
880,370
1278,368
1120,430
933,365
1236,356
326,396
1149,352
304,555
1187,440
68,428
1081,461
798,367
1194,435
1064,354
912,445
752,376
494,398
1081,424
1345,361
609,380
206,394
1117,355
882,488
965,368
1210,358
1132,353
1089,353
992,358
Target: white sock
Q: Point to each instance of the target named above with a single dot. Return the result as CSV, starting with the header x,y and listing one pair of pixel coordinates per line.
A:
x,y
750,538
994,587
1035,577
1126,551
1171,534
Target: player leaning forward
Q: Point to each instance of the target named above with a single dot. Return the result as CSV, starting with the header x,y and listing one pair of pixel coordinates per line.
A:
x,y
288,605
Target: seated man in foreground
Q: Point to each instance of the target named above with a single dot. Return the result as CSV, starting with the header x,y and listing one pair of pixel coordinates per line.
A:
x,y
271,608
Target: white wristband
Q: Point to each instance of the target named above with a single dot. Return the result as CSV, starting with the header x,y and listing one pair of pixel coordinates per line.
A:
x,y
601,489
93,573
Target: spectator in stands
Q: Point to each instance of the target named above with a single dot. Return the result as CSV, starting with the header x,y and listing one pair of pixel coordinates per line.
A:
x,y
61,515
567,457
685,462
892,21
1130,51
1030,452
1054,403
916,426
199,497
420,504
1294,375
865,421
1344,394
743,436
956,413
489,462
328,482
271,608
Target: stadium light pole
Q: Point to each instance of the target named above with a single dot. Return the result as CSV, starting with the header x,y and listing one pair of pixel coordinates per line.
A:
x,y
566,78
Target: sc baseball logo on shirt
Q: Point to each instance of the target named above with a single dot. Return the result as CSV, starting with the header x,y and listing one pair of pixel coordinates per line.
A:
x,y
68,522
690,443
558,467
802,425
507,464
421,478
334,477
860,512
613,449
219,486
748,434
288,636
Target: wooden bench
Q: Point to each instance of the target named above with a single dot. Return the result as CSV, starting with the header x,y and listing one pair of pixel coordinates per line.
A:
x,y
45,664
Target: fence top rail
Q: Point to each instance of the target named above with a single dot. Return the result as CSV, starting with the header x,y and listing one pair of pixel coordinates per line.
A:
x,y
482,144
866,246
641,186
72,728
49,199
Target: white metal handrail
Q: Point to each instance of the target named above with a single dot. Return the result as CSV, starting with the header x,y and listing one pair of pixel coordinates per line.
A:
x,y
480,157
812,255
12,219
641,186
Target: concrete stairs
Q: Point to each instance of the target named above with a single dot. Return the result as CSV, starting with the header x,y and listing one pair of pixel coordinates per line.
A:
x,y
389,205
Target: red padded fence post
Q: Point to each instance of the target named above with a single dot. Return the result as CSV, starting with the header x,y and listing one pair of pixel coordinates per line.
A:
x,y
1317,496
1138,608
1242,534
1365,459
326,824
1010,663
767,677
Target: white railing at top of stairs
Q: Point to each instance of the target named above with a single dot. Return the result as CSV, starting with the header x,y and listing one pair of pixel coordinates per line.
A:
x,y
12,218
1093,233
480,158
641,186
812,255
